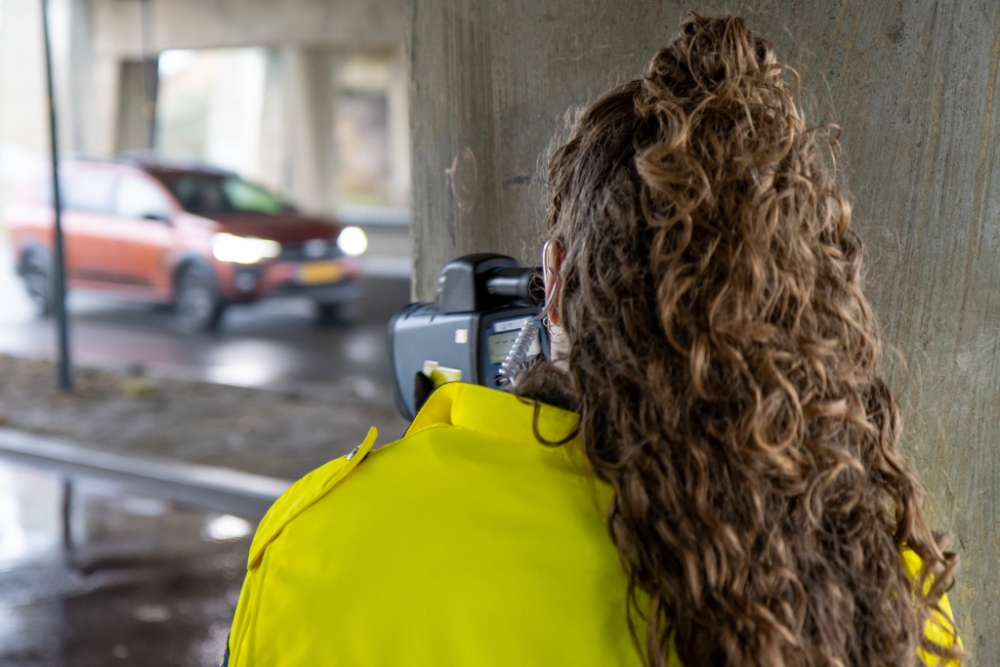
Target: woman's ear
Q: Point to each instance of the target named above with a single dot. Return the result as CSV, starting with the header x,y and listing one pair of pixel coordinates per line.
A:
x,y
552,259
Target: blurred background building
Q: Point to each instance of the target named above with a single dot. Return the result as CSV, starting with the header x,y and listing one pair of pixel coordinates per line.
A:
x,y
306,97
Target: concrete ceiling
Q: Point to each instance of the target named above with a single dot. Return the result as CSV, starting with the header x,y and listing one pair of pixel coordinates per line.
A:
x,y
196,24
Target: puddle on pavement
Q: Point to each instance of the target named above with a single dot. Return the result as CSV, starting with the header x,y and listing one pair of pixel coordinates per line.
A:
x,y
146,581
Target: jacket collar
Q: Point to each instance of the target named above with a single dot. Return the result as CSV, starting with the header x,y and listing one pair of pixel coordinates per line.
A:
x,y
495,413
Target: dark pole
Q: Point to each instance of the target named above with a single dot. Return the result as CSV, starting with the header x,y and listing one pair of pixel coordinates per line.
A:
x,y
59,258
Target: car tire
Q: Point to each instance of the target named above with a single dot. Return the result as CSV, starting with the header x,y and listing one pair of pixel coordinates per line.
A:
x,y
197,306
37,283
330,314
33,268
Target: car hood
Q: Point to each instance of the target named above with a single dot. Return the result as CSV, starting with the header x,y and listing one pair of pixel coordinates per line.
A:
x,y
282,227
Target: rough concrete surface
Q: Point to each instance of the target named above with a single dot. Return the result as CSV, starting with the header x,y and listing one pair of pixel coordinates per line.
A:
x,y
912,84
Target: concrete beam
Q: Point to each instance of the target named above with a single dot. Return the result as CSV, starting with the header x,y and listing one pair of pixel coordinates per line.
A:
x,y
199,24
297,149
913,86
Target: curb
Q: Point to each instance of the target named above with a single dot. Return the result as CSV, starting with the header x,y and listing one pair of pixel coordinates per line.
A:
x,y
208,487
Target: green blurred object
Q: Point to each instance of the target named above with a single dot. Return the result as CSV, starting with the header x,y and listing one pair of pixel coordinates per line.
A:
x,y
138,386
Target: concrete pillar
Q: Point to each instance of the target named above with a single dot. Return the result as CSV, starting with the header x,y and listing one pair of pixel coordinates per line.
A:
x,y
454,130
61,33
913,86
236,112
313,138
297,140
136,109
271,170
87,81
399,131
138,77
98,103
80,65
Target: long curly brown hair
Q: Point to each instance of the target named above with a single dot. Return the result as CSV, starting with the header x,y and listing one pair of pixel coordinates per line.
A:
x,y
724,362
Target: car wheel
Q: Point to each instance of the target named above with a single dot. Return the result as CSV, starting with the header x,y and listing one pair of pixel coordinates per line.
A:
x,y
329,314
39,288
197,303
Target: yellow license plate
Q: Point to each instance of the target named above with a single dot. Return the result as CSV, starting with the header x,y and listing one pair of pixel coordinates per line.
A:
x,y
320,272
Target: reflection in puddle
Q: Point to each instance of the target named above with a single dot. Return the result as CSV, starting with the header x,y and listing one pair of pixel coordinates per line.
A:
x,y
13,543
29,514
227,527
153,613
248,363
11,624
363,348
147,582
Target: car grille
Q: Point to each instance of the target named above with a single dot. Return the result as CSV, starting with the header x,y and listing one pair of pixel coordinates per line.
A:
x,y
303,252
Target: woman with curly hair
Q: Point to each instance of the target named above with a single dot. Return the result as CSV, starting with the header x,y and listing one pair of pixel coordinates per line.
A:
x,y
706,285
713,401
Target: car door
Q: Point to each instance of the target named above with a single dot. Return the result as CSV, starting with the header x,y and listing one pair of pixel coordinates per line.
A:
x,y
144,233
90,250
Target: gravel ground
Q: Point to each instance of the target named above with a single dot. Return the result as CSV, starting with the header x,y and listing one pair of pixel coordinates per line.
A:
x,y
259,431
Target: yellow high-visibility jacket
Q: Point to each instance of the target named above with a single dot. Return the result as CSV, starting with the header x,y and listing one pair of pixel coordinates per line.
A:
x,y
468,542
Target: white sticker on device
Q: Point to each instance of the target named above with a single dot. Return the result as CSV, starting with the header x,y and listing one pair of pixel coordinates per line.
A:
x,y
510,325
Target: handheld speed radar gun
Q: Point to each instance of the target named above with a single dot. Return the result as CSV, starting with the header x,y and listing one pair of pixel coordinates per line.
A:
x,y
484,302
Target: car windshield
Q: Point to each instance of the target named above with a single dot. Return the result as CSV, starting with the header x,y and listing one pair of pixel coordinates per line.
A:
x,y
207,194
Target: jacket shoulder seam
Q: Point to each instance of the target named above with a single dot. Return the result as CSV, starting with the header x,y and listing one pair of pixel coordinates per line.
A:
x,y
303,494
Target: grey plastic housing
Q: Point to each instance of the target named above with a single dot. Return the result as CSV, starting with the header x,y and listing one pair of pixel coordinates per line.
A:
x,y
479,296
420,332
462,284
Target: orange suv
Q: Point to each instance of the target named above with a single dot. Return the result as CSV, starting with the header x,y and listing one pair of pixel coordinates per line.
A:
x,y
198,238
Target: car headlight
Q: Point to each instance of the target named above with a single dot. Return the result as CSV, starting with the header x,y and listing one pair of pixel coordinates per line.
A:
x,y
352,241
242,249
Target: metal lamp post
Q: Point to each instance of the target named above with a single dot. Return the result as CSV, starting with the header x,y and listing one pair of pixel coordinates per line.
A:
x,y
65,374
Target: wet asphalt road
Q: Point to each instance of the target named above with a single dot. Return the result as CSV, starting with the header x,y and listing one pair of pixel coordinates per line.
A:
x,y
271,344
146,582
